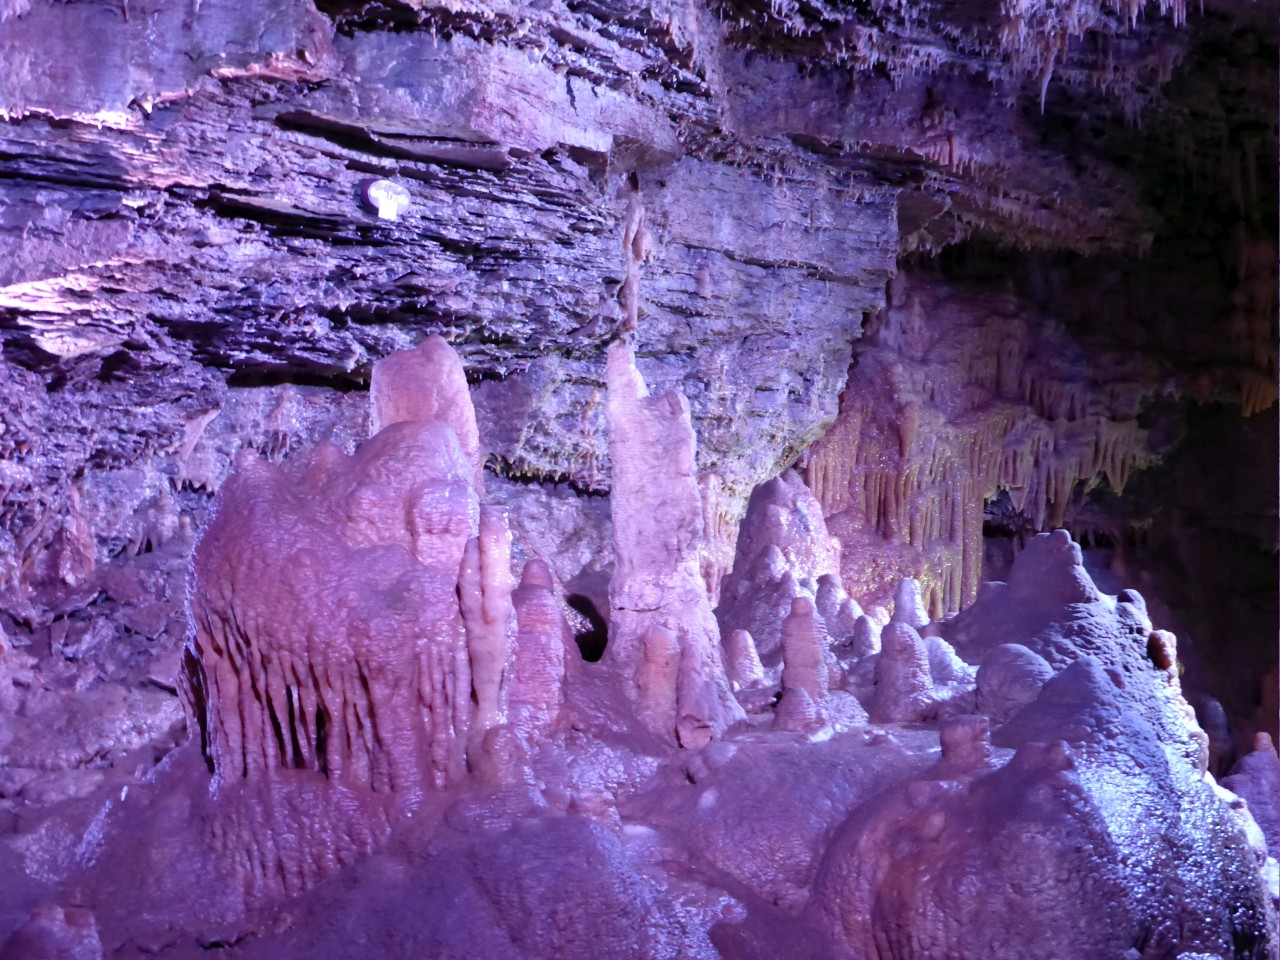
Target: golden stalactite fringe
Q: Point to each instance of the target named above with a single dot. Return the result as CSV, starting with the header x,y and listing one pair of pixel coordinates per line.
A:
x,y
951,399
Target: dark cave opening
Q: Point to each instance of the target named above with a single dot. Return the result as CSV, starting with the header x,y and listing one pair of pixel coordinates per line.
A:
x,y
591,641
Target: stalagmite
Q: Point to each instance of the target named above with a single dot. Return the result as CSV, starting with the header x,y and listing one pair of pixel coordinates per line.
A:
x,y
657,679
741,659
904,689
945,665
535,690
657,534
797,713
1256,778
805,652
427,383
866,637
838,611
783,551
484,594
341,609
908,604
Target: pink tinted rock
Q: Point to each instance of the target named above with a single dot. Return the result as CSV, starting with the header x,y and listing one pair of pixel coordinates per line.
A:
x,y
536,693
345,615
427,383
966,742
866,637
55,933
1162,651
1256,779
838,610
1023,836
903,685
484,597
741,659
1010,677
657,677
658,531
908,604
782,544
808,663
798,713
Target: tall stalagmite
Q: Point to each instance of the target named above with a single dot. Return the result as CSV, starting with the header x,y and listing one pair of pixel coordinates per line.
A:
x,y
657,537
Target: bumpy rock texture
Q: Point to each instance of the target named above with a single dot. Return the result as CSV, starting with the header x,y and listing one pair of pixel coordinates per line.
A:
x,y
663,636
372,705
352,272
351,629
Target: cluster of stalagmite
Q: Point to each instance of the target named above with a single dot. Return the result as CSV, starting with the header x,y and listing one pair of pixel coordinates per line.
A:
x,y
783,551
361,653
951,399
353,629
663,637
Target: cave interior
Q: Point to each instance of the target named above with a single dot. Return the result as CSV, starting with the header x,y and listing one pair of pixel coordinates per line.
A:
x,y
550,479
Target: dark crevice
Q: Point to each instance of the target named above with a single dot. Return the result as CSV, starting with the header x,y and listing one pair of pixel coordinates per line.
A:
x,y
276,728
504,468
352,381
593,640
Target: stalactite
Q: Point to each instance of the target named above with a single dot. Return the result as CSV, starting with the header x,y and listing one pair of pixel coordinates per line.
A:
x,y
937,417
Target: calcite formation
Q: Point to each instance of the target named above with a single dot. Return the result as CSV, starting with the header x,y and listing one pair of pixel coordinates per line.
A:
x,y
742,660
662,633
427,383
535,687
370,696
783,551
569,480
808,664
352,620
937,417
903,683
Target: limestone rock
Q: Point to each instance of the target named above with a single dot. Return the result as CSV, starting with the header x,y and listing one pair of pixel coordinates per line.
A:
x,y
903,684
1010,677
535,690
657,582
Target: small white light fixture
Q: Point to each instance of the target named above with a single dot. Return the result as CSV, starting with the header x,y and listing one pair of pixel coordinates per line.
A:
x,y
385,198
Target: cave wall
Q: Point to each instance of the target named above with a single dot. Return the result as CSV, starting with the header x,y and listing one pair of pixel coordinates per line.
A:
x,y
189,269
